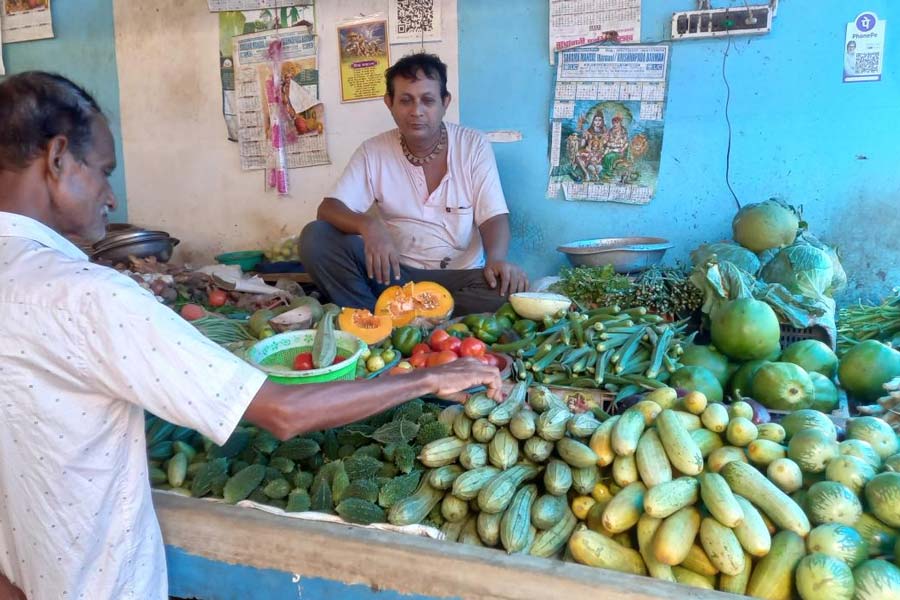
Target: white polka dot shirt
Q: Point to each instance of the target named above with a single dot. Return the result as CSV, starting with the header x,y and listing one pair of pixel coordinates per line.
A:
x,y
83,352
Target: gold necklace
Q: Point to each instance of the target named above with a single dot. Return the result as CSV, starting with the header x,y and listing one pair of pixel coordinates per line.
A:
x,y
435,150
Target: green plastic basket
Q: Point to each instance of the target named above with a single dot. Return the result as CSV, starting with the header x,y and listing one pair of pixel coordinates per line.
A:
x,y
275,357
246,260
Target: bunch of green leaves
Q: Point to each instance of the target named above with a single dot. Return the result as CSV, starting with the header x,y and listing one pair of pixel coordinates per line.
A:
x,y
590,287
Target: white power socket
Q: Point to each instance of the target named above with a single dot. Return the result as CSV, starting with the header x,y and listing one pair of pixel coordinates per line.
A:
x,y
743,20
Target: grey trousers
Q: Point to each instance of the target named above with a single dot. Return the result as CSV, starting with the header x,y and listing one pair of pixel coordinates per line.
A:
x,y
336,262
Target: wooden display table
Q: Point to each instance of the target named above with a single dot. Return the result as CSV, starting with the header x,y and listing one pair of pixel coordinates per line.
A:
x,y
221,552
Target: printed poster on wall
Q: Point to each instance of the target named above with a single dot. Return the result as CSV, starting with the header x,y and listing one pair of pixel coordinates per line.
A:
x,y
364,55
233,23
25,20
254,82
864,48
221,5
415,21
606,123
580,22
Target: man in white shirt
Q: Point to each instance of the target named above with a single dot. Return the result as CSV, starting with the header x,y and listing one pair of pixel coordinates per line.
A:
x,y
84,351
440,211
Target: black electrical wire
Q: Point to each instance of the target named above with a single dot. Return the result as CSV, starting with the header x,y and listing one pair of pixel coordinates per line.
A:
x,y
728,122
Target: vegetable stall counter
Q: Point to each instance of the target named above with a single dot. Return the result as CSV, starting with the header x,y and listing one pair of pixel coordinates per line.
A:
x,y
222,552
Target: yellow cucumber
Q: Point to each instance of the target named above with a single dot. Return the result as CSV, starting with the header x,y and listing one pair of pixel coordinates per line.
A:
x,y
652,462
708,441
601,441
575,453
627,432
786,474
724,455
752,532
596,550
625,508
667,498
745,480
715,417
737,584
646,529
649,409
666,397
690,421
698,561
625,470
688,577
680,447
719,499
773,576
763,452
676,535
721,546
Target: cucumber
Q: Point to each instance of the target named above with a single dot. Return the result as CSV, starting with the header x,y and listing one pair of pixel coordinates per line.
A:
x,y
773,576
652,462
752,485
680,447
601,441
625,508
646,530
675,536
627,432
763,452
720,500
575,453
722,546
667,498
786,474
752,532
737,584
625,470
596,550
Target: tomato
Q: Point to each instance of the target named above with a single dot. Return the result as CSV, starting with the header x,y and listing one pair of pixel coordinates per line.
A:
x,y
441,358
421,349
338,359
437,336
217,297
451,343
419,360
192,312
375,363
401,368
472,347
303,361
388,355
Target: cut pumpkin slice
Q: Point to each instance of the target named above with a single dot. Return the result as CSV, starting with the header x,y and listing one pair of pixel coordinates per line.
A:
x,y
424,300
368,327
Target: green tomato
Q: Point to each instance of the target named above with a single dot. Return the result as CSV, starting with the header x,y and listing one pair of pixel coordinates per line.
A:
x,y
374,363
388,355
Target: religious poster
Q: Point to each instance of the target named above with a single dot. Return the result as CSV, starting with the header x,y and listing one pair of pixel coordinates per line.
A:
x,y
25,20
240,22
364,56
606,124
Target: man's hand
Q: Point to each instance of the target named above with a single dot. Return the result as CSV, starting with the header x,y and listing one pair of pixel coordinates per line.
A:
x,y
511,278
381,255
463,374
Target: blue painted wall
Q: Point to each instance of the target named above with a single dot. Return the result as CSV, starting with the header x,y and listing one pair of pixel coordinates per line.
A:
x,y
83,50
799,133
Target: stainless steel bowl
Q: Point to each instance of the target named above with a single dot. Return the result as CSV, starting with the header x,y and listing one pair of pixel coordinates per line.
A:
x,y
127,237
625,254
159,246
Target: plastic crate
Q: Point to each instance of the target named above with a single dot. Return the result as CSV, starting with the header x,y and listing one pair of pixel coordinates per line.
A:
x,y
275,357
791,334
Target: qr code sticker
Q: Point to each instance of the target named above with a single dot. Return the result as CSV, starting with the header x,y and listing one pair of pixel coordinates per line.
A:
x,y
415,15
867,63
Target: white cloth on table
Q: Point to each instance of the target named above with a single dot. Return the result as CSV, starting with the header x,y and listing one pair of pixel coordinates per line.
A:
x,y
84,351
431,231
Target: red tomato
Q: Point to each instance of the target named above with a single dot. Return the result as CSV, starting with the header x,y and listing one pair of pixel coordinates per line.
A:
x,y
437,336
192,312
303,361
451,343
421,349
217,297
400,369
338,359
419,360
441,358
472,346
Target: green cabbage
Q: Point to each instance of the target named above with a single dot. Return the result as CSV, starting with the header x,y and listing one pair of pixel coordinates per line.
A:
x,y
801,268
839,280
726,251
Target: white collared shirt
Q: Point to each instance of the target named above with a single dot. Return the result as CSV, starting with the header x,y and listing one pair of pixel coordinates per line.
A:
x,y
431,231
83,351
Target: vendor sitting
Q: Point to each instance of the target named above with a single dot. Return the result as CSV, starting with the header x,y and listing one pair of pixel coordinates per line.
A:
x,y
441,215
